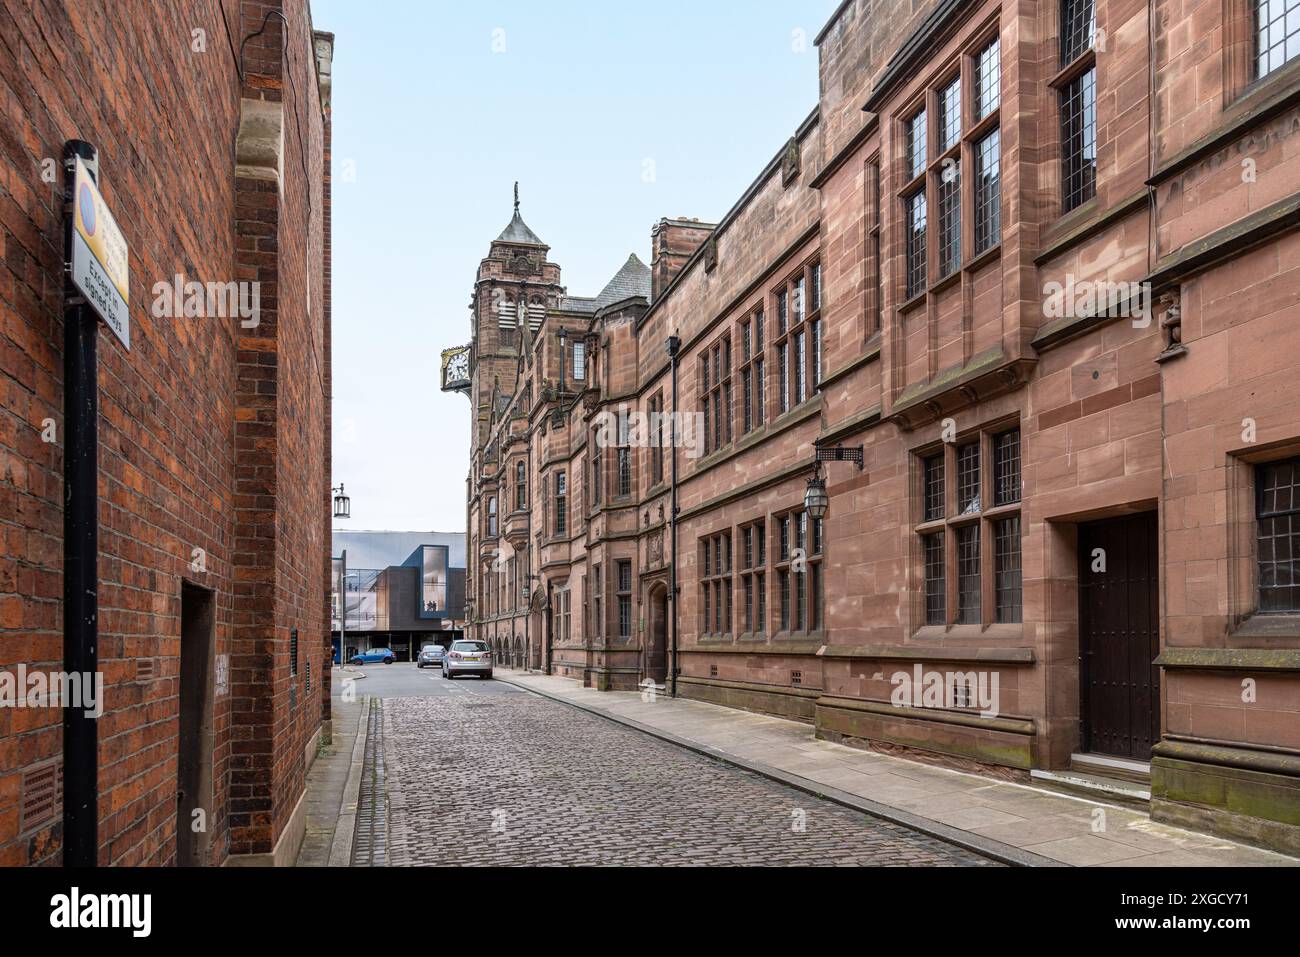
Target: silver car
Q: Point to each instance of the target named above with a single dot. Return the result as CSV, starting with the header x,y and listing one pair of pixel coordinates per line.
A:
x,y
430,656
467,658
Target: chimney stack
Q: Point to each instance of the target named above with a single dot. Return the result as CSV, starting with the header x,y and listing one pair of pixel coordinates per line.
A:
x,y
672,243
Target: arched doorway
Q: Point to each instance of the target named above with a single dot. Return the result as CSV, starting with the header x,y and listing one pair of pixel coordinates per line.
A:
x,y
656,654
519,653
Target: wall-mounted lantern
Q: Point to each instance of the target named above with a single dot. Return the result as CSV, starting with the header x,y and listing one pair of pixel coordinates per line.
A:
x,y
815,500
342,503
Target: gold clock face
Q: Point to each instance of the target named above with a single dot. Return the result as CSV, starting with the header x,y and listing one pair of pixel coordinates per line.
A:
x,y
455,368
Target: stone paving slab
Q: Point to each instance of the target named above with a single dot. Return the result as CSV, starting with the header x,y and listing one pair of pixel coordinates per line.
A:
x,y
1069,830
327,781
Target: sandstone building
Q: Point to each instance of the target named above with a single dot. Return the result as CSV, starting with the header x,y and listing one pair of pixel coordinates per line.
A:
x,y
212,125
1040,263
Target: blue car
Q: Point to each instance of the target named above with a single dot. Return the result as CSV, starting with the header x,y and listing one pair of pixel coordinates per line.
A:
x,y
373,656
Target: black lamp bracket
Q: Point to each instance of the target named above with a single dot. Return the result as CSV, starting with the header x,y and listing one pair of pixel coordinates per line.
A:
x,y
839,453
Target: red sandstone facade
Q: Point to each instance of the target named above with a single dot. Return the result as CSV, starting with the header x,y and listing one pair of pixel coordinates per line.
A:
x,y
213,433
1089,500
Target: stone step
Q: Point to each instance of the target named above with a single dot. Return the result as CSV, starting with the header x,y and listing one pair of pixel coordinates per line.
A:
x,y
1110,790
1103,765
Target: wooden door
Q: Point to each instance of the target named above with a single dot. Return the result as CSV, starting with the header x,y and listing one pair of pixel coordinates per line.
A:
x,y
1119,636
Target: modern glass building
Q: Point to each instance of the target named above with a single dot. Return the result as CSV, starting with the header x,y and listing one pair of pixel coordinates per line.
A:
x,y
399,590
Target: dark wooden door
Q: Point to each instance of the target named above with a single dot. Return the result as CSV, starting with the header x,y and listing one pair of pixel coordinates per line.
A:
x,y
1119,636
657,652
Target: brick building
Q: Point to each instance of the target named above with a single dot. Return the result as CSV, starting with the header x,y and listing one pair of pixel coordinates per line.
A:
x,y
1040,262
211,119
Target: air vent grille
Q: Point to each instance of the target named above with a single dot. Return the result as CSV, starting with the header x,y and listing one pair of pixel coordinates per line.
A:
x,y
42,788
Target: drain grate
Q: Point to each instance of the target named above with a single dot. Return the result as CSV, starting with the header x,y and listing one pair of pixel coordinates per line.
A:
x,y
370,840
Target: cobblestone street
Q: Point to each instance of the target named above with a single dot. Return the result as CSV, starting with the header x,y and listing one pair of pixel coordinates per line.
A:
x,y
484,774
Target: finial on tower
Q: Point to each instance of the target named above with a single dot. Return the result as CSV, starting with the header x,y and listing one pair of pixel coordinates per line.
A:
x,y
516,196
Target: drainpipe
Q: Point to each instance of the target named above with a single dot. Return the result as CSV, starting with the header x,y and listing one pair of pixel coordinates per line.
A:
x,y
80,544
674,344
528,543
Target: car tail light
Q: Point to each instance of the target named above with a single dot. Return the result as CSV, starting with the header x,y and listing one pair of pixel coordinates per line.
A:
x,y
455,654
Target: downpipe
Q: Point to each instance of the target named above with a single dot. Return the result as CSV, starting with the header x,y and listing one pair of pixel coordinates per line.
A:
x,y
674,346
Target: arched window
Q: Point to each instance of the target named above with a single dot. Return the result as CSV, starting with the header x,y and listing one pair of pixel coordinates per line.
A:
x,y
521,488
492,516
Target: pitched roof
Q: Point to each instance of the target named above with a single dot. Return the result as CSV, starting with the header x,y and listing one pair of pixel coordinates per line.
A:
x,y
632,280
519,233
583,304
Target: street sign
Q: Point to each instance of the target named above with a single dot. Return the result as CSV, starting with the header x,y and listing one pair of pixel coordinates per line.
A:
x,y
100,256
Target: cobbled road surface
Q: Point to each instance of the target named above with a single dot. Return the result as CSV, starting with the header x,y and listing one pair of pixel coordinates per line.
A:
x,y
510,778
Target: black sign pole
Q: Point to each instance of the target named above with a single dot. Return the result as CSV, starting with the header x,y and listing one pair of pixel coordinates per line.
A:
x,y
80,544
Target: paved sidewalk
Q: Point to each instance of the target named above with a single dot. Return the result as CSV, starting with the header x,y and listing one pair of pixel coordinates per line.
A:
x,y
1019,819
332,784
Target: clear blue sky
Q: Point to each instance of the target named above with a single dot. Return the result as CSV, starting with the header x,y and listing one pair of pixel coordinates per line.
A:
x,y
432,126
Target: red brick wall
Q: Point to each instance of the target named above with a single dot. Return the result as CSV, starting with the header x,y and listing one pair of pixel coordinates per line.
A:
x,y
282,367
169,448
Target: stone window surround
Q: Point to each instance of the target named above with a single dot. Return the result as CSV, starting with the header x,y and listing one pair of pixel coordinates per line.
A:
x,y
656,408
874,288
973,131
623,597
750,333
1245,623
807,585
752,565
717,563
987,518
717,397
798,321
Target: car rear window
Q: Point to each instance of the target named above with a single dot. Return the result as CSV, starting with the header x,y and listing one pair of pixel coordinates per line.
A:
x,y
469,646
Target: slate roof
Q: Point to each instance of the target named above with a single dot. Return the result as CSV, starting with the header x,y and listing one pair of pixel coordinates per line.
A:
x,y
632,280
584,304
519,233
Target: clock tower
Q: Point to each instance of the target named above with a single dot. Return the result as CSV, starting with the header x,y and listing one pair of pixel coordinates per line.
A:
x,y
514,290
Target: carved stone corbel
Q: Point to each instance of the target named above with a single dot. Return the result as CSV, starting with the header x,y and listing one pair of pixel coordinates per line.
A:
x,y
1171,324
